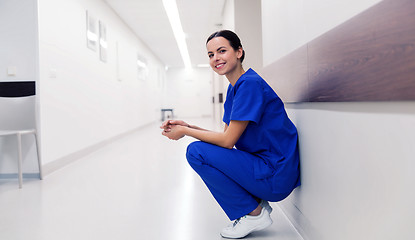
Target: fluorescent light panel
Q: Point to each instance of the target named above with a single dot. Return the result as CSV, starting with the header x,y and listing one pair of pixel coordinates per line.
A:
x,y
173,14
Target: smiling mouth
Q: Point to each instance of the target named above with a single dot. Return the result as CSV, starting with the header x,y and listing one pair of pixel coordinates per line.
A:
x,y
220,65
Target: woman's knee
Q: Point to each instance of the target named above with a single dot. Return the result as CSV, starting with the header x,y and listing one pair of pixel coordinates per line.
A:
x,y
194,153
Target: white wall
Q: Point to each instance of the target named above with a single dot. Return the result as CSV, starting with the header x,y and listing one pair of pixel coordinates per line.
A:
x,y
18,49
189,92
86,103
17,43
228,17
356,158
248,27
357,162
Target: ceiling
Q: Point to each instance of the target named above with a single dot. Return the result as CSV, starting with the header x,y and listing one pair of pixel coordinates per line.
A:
x,y
149,21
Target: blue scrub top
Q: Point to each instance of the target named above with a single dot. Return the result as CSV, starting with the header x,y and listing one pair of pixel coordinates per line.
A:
x,y
270,134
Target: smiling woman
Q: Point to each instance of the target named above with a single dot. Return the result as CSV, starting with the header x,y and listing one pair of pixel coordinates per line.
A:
x,y
255,159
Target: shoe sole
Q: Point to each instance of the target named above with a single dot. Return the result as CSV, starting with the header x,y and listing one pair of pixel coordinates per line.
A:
x,y
257,228
263,226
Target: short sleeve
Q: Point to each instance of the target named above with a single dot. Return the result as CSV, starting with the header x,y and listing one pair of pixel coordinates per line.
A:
x,y
248,102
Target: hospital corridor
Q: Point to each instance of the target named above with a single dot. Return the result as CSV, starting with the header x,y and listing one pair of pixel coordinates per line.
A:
x,y
303,114
138,187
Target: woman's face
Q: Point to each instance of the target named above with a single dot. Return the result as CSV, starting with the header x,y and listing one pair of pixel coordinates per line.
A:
x,y
223,59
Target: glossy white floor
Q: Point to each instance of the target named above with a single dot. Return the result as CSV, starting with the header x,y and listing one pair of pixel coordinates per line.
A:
x,y
139,187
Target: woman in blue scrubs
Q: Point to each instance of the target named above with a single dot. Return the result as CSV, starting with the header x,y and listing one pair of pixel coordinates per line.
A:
x,y
255,159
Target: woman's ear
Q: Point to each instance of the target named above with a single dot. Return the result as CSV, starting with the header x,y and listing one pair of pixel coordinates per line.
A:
x,y
239,53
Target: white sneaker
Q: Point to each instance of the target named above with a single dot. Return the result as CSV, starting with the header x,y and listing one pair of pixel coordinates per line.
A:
x,y
266,205
247,224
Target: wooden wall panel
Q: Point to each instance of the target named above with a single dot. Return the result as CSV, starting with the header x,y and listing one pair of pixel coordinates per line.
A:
x,y
371,57
289,76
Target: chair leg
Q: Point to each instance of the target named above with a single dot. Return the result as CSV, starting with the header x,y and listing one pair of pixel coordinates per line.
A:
x,y
38,158
19,163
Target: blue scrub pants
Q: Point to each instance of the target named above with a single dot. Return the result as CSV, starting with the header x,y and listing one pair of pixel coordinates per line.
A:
x,y
229,175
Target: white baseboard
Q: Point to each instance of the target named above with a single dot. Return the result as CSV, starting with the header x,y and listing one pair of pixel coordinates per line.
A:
x,y
298,220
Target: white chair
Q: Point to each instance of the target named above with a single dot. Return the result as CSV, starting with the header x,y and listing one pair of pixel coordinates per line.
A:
x,y
17,118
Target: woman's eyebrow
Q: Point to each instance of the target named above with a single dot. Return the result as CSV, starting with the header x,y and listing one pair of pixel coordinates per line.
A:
x,y
216,49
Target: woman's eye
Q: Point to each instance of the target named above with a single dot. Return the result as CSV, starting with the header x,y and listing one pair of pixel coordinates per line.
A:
x,y
210,55
222,51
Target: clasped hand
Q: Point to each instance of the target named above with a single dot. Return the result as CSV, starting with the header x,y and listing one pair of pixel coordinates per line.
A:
x,y
173,129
